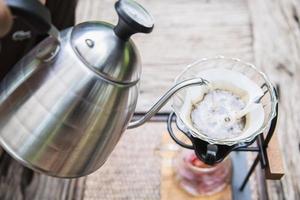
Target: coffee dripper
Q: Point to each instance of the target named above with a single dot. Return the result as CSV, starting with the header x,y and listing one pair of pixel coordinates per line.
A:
x,y
213,150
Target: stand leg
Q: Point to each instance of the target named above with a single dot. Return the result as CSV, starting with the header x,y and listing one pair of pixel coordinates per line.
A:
x,y
262,151
262,144
249,173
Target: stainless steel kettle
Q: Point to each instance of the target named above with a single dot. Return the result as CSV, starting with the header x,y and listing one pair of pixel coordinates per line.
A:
x,y
65,105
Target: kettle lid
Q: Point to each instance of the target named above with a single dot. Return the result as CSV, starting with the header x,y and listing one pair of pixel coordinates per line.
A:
x,y
133,18
107,49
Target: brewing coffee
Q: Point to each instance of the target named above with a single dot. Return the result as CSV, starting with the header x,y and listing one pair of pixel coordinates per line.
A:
x,y
212,114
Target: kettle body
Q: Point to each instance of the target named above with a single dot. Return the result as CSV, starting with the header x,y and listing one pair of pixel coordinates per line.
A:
x,y
60,115
65,105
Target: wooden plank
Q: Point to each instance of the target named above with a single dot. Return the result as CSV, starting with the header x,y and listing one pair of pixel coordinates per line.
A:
x,y
276,45
184,31
275,170
133,169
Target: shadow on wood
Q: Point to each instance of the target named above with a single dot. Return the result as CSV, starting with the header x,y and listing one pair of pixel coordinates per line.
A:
x,y
21,183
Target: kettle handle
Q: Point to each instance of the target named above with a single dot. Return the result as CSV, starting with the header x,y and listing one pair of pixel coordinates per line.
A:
x,y
164,99
35,14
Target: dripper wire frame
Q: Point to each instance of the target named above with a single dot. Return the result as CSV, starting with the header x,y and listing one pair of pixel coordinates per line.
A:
x,y
262,144
172,135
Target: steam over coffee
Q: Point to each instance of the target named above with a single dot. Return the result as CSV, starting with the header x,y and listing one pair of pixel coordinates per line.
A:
x,y
211,115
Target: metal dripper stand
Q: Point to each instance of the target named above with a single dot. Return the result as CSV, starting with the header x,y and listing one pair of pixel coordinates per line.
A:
x,y
262,142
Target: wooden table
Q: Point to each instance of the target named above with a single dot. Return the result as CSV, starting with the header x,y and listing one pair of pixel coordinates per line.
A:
x,y
264,32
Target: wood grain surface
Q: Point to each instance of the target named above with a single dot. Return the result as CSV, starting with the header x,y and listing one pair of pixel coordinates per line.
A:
x,y
265,32
276,49
275,169
185,31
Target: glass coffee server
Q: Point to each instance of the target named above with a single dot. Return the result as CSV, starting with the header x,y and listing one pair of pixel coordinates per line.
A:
x,y
260,120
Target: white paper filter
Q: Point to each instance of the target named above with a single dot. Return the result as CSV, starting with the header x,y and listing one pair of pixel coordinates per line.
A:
x,y
229,80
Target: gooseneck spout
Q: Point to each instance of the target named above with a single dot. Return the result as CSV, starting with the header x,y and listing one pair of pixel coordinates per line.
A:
x,y
164,99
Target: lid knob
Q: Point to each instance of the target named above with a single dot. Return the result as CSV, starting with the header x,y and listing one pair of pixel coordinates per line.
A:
x,y
133,18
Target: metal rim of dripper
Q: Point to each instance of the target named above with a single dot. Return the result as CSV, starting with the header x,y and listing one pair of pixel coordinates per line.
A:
x,y
232,141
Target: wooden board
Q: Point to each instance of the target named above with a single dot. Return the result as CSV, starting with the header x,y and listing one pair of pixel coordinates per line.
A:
x,y
185,31
169,187
265,32
276,50
275,170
